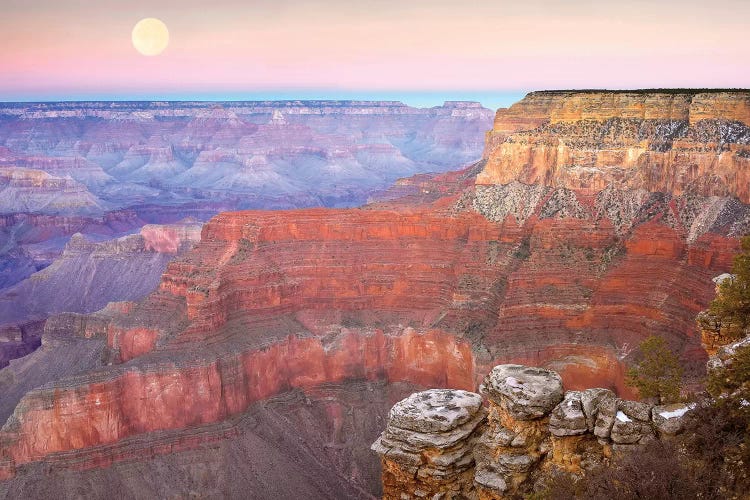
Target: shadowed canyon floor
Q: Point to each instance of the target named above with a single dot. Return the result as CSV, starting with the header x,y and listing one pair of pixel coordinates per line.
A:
x,y
432,285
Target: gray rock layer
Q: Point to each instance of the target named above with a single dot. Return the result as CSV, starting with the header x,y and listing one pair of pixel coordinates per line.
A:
x,y
526,393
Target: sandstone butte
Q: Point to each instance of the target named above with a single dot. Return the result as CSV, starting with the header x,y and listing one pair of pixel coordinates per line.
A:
x,y
595,220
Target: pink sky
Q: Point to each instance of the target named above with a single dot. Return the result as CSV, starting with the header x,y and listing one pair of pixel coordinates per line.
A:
x,y
59,48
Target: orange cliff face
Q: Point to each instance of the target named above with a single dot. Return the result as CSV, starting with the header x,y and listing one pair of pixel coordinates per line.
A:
x,y
433,292
169,396
671,142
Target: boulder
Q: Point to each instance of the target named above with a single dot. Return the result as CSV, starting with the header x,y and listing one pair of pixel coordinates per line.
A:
x,y
632,422
590,401
511,463
439,420
568,418
669,420
435,410
426,447
490,480
526,393
605,416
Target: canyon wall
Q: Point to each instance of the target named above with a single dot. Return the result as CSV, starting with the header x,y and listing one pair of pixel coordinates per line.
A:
x,y
272,301
671,142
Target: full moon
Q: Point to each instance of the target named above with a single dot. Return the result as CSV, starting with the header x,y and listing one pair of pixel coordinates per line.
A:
x,y
150,36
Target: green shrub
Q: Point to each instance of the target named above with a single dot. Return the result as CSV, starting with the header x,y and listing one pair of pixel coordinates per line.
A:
x,y
659,374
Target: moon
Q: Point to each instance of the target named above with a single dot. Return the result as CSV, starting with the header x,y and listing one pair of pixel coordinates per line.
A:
x,y
150,36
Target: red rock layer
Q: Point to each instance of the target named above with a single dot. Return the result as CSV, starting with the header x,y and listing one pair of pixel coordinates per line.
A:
x,y
274,300
168,396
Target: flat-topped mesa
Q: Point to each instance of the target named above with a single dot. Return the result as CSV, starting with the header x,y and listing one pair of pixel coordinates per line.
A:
x,y
531,429
671,141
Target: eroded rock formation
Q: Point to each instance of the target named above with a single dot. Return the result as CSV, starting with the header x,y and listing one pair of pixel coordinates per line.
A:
x,y
86,277
427,445
531,427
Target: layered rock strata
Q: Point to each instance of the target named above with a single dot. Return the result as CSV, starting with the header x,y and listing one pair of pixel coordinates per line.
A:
x,y
531,427
426,448
670,142
272,295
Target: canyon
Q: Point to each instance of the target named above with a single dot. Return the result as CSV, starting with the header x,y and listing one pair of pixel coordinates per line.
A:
x,y
594,220
107,170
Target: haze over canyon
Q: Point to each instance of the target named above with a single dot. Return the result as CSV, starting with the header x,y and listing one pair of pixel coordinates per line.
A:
x,y
97,171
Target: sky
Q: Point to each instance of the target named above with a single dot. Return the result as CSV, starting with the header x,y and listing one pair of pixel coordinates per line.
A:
x,y
418,51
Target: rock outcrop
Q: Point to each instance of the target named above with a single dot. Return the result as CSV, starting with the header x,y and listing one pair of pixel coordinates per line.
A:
x,y
519,399
523,393
531,428
427,445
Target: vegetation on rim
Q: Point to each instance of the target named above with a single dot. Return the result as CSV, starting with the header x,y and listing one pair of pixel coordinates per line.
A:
x,y
659,375
728,316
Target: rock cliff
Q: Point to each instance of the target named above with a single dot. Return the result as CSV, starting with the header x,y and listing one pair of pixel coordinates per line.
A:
x,y
670,142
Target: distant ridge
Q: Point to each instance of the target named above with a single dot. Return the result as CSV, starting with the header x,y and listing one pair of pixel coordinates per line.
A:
x,y
686,91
